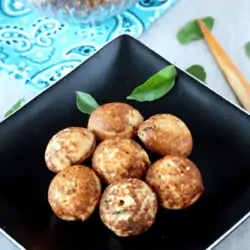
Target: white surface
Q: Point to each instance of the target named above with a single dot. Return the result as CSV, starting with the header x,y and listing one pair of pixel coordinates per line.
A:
x,y
232,29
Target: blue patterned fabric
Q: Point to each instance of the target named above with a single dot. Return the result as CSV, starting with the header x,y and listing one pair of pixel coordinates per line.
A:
x,y
36,51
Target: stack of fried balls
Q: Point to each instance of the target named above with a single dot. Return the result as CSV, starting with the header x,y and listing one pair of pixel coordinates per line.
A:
x,y
135,186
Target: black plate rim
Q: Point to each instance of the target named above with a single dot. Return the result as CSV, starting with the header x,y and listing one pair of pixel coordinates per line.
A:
x,y
22,109
229,232
9,238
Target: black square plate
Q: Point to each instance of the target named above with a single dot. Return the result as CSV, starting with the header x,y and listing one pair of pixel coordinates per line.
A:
x,y
221,134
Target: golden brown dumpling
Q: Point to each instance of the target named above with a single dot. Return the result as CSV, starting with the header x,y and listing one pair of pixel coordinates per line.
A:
x,y
176,181
118,158
70,146
166,134
74,193
114,119
128,207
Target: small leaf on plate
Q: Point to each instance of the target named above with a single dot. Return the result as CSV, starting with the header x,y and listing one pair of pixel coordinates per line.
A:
x,y
85,102
156,86
191,31
247,49
14,108
197,71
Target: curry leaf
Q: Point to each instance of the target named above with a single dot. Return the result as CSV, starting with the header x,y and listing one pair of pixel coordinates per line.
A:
x,y
14,108
191,31
247,49
197,71
85,102
156,86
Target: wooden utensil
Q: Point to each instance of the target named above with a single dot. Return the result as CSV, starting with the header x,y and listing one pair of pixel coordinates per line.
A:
x,y
235,78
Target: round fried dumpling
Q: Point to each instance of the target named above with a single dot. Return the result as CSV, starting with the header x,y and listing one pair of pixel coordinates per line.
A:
x,y
114,119
128,207
74,193
119,158
70,146
176,181
166,134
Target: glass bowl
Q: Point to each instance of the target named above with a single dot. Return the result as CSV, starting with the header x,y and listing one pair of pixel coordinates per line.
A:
x,y
80,11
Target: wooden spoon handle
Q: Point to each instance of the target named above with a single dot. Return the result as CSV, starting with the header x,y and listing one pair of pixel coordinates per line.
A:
x,y
235,78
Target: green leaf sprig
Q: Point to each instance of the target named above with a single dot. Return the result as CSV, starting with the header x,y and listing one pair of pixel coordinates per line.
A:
x,y
14,108
156,86
247,49
197,71
192,32
85,102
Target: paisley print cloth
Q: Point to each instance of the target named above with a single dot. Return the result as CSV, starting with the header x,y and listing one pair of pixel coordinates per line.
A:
x,y
36,51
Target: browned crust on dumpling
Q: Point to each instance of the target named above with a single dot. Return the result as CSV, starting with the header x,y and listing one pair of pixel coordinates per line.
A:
x,y
165,134
74,193
128,207
114,119
70,146
176,181
118,158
